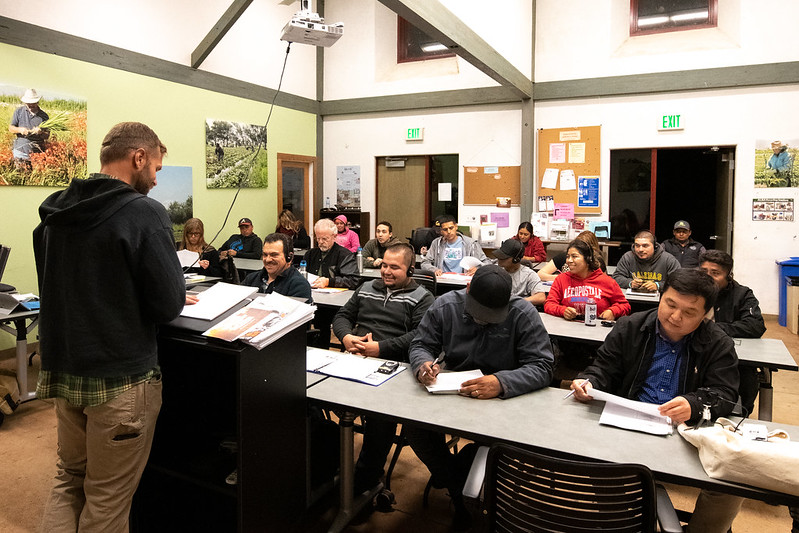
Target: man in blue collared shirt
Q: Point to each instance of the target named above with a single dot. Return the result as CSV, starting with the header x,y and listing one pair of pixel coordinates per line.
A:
x,y
674,357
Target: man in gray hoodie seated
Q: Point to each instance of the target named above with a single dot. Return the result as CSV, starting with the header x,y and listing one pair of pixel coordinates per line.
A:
x,y
644,268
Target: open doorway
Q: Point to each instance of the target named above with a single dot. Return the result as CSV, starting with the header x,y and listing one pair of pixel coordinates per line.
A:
x,y
653,188
412,191
294,172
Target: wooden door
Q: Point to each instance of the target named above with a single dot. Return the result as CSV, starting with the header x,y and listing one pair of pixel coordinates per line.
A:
x,y
292,186
402,195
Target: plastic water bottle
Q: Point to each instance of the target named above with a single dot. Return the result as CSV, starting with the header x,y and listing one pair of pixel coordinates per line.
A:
x,y
359,259
590,312
304,269
327,202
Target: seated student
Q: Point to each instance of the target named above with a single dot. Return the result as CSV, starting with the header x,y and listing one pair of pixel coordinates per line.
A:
x,y
278,275
683,247
335,266
194,240
375,248
422,238
446,252
737,313
674,357
379,321
244,244
526,283
571,290
558,263
644,267
288,224
533,247
481,327
345,236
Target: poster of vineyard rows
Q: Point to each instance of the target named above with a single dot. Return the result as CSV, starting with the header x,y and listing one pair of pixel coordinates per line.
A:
x,y
50,154
235,155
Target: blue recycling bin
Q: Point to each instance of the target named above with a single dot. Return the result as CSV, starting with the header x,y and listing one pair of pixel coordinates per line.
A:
x,y
788,268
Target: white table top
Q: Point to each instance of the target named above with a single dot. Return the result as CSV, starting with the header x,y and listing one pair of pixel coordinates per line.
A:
x,y
541,419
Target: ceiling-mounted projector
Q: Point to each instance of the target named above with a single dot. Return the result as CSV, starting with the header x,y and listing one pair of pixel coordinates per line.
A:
x,y
307,27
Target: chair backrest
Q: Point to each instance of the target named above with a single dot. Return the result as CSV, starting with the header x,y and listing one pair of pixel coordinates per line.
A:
x,y
428,281
527,491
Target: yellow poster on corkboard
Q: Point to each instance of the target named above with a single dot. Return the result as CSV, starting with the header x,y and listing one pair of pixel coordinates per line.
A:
x,y
565,155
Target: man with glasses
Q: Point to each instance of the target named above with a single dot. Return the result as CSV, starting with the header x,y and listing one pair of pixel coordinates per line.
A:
x,y
446,252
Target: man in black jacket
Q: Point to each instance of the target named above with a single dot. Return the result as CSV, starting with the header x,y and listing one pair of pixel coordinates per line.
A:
x,y
737,313
245,244
380,320
673,356
108,276
278,275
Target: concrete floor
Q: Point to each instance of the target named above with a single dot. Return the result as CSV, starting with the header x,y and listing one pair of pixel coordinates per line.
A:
x,y
28,451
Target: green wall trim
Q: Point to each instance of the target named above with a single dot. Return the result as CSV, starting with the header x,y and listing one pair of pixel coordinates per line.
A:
x,y
427,100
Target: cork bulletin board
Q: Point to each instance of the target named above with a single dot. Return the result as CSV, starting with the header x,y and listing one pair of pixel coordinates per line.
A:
x,y
568,167
482,185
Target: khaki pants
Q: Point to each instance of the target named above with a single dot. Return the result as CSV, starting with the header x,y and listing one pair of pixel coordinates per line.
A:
x,y
102,452
714,512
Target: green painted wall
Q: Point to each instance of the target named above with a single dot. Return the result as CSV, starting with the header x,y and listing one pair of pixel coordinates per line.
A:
x,y
176,112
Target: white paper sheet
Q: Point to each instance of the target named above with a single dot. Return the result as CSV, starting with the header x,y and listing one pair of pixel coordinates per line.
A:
x,y
550,179
358,368
630,414
567,180
216,300
469,262
188,258
450,382
444,192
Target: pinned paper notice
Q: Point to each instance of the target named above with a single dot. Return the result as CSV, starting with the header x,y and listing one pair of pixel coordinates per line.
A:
x,y
557,153
444,192
567,180
577,153
550,179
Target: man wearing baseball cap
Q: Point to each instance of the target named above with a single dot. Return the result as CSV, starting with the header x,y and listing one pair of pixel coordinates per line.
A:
x,y
683,247
244,244
526,283
481,327
25,123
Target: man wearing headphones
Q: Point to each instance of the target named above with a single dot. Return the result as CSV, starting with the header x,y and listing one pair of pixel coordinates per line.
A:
x,y
645,267
278,275
526,283
737,313
379,321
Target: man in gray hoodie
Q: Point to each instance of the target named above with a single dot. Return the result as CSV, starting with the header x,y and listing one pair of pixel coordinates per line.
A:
x,y
446,252
645,267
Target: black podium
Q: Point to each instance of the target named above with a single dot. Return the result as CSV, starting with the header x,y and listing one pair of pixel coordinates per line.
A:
x,y
226,407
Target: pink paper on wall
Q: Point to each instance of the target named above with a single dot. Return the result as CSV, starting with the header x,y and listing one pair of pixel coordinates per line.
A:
x,y
564,211
502,220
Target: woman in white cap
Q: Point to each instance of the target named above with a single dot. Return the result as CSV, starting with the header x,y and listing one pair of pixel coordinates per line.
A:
x,y
25,123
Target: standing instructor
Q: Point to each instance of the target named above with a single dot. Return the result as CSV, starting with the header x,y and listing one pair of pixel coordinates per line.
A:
x,y
108,275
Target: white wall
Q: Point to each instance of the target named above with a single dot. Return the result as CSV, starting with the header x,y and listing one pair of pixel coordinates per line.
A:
x,y
732,117
481,136
251,51
591,39
364,61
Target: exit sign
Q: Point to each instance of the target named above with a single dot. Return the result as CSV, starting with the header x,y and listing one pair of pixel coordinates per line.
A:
x,y
414,134
671,122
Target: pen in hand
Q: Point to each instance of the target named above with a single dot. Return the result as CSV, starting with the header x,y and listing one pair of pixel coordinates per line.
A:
x,y
438,360
582,386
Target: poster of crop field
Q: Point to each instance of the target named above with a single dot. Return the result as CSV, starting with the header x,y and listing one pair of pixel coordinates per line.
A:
x,y
174,192
775,163
42,137
235,155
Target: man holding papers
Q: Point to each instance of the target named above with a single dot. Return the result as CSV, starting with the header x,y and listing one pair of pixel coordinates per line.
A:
x,y
674,357
483,328
379,321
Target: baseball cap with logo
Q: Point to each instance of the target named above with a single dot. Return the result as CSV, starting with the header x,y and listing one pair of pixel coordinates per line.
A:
x,y
488,295
245,222
509,249
682,224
